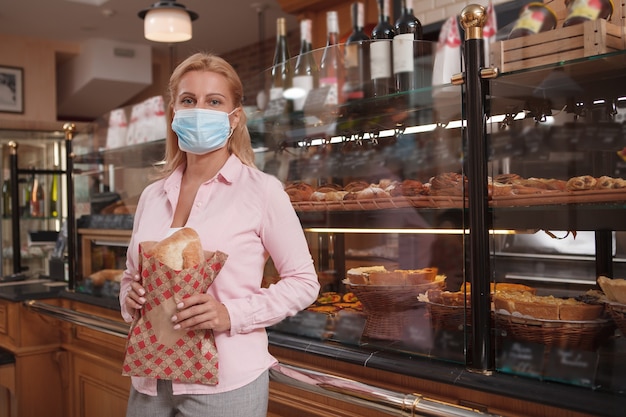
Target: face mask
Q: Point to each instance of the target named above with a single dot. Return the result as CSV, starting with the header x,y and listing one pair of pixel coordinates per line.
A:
x,y
201,131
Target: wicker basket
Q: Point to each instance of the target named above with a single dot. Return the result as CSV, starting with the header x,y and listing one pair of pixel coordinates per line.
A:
x,y
449,317
618,313
585,335
389,309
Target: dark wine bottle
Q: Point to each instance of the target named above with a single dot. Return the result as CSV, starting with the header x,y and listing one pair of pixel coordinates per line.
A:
x,y
306,72
331,64
380,52
281,71
357,57
405,50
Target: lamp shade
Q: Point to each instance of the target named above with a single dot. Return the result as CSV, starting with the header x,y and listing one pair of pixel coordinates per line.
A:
x,y
167,21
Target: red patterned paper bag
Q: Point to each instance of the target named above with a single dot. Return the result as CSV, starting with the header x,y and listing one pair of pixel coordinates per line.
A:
x,y
153,348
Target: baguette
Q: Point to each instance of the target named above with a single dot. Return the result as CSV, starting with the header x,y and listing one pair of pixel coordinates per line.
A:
x,y
181,250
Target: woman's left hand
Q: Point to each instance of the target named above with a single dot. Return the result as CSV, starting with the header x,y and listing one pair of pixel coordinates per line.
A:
x,y
201,311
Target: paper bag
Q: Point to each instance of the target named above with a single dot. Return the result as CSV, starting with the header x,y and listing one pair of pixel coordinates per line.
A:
x,y
153,348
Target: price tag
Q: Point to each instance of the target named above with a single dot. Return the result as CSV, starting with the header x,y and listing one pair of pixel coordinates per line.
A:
x,y
275,108
521,358
316,101
571,365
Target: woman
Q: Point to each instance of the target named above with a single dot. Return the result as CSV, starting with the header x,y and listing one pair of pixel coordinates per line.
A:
x,y
209,183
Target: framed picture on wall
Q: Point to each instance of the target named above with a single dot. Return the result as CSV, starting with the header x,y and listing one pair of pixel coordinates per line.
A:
x,y
11,89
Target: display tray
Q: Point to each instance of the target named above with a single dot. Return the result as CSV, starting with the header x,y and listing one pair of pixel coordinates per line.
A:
x,y
585,335
560,197
518,200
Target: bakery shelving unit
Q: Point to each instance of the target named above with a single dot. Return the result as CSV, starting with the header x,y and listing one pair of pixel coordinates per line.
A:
x,y
505,132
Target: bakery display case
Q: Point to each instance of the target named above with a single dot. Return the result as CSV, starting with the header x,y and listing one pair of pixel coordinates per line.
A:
x,y
33,165
520,205
115,159
433,216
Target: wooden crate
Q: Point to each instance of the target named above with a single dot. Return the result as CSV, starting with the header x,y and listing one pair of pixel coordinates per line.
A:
x,y
562,44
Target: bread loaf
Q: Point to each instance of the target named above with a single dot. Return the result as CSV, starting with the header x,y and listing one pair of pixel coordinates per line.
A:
x,y
546,307
181,250
614,289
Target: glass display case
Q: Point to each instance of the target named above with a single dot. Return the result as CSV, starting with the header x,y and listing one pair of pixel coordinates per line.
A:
x,y
391,202
37,181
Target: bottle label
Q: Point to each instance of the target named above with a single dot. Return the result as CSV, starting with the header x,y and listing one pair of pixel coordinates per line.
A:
x,y
530,20
380,59
403,53
585,9
352,56
304,84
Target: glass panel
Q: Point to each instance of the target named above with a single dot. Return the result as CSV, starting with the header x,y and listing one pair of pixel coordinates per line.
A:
x,y
557,170
39,224
377,185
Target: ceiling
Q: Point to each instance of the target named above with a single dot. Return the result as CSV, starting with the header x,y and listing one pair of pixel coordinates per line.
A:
x,y
222,26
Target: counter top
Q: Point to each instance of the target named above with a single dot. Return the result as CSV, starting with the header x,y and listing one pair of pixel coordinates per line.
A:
x,y
31,289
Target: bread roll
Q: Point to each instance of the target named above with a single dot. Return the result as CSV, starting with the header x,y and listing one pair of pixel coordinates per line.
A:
x,y
181,250
580,183
99,278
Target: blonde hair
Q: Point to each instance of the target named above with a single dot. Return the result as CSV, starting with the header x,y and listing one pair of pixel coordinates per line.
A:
x,y
239,142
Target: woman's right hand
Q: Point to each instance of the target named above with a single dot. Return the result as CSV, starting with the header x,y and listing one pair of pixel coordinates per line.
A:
x,y
135,298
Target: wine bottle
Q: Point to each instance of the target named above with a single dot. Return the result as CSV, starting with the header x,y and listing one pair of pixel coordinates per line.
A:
x,y
306,72
54,196
380,52
281,71
408,29
37,196
331,64
357,57
6,195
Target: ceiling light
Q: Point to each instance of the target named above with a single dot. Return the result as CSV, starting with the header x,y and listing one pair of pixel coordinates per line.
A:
x,y
167,21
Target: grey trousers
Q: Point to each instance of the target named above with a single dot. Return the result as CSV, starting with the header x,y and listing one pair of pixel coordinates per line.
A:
x,y
248,401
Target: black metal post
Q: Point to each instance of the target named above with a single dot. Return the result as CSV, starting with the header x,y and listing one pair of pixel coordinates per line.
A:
x,y
15,209
481,359
69,129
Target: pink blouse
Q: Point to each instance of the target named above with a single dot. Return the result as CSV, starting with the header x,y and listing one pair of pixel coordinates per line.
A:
x,y
245,213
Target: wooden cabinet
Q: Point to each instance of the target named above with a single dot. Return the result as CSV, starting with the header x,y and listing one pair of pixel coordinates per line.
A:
x,y
96,386
35,342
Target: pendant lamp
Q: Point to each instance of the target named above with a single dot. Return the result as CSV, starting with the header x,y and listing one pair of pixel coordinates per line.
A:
x,y
167,21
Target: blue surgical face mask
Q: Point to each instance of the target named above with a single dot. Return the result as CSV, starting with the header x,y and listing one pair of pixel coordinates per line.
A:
x,y
201,131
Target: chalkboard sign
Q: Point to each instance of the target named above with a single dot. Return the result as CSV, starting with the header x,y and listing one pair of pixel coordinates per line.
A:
x,y
575,366
305,323
450,345
349,327
521,358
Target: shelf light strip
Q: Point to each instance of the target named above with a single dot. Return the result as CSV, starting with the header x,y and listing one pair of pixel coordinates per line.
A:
x,y
408,231
454,124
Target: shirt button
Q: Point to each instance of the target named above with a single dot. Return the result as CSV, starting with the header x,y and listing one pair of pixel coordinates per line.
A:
x,y
198,204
